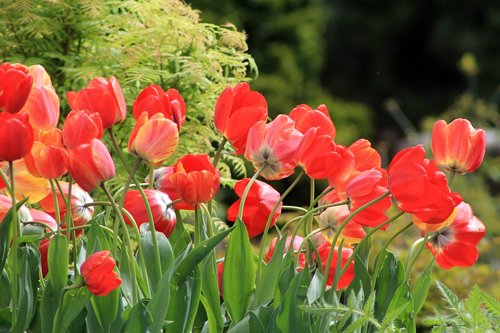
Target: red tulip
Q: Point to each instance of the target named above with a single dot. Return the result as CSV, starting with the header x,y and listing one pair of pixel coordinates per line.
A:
x,y
80,127
347,277
275,146
365,157
162,182
305,118
16,136
297,242
236,110
15,86
163,215
102,96
258,206
322,158
455,245
43,103
90,164
154,100
195,179
364,188
44,252
81,208
458,146
47,158
154,139
99,274
419,187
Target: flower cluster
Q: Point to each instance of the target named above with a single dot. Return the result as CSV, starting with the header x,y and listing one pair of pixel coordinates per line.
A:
x,y
357,200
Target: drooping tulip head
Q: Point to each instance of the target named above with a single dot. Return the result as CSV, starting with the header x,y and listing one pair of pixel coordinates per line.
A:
x,y
273,147
236,110
458,146
99,274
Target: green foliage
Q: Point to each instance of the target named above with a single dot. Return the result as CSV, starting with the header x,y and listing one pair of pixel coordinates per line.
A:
x,y
479,313
139,42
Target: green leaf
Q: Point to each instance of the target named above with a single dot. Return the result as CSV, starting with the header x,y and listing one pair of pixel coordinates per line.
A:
x,y
27,274
401,308
268,281
239,273
421,288
389,279
210,288
179,239
5,287
165,252
184,301
361,277
7,226
187,265
106,308
137,319
158,306
74,301
58,259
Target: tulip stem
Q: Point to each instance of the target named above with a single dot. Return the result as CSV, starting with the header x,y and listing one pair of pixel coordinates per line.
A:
x,y
5,180
197,225
412,258
118,149
339,230
247,189
268,222
218,153
128,245
452,176
17,233
311,211
151,177
57,211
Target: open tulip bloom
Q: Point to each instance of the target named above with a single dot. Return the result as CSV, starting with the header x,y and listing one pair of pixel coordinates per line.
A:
x,y
84,248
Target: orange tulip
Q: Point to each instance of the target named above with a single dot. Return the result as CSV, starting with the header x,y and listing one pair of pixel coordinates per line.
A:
x,y
43,103
47,158
195,179
458,146
27,185
90,164
15,86
154,139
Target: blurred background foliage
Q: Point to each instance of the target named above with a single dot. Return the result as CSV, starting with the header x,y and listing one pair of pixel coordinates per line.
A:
x,y
386,70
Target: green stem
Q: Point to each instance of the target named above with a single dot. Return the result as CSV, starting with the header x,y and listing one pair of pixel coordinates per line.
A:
x,y
339,230
247,189
5,180
268,222
452,176
17,233
210,227
57,211
297,208
218,153
151,177
198,225
412,258
118,149
310,212
128,245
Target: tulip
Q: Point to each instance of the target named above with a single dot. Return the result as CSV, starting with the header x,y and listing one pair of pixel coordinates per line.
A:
x,y
15,87
80,204
306,118
259,203
154,100
99,274
458,146
90,164
419,187
195,179
43,103
332,218
297,242
323,251
273,146
102,96
154,139
164,218
362,189
161,181
365,157
16,136
27,185
236,110
43,218
6,204
80,127
455,244
44,252
47,158
322,158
